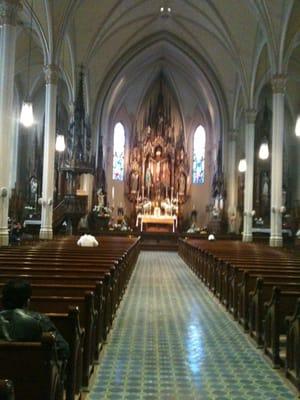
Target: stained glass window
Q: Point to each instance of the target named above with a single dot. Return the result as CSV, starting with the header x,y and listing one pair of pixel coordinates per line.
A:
x,y
199,155
119,145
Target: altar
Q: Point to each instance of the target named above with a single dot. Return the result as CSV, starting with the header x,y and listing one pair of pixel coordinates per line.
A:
x,y
168,220
157,182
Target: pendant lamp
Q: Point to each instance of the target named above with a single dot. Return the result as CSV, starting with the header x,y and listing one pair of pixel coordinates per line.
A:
x,y
264,150
242,165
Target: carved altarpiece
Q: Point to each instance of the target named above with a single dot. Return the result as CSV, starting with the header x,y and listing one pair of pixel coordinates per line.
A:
x,y
158,168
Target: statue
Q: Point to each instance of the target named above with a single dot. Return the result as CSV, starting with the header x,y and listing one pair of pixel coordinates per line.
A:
x,y
265,193
160,170
148,180
134,182
33,186
166,177
181,185
166,205
100,195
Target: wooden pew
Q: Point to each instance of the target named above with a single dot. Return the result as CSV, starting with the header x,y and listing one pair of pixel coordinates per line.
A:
x,y
52,304
263,293
234,282
61,285
33,367
69,327
292,366
248,284
117,282
6,390
40,266
281,305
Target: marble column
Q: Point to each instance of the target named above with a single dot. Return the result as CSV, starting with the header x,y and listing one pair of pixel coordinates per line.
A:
x,y
248,191
278,87
232,182
51,77
8,14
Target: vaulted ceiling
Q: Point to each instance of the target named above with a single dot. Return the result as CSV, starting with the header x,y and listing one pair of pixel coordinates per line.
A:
x,y
218,53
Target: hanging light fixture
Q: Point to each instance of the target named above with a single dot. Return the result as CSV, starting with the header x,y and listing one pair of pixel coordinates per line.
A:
x,y
297,126
263,153
242,165
26,117
60,144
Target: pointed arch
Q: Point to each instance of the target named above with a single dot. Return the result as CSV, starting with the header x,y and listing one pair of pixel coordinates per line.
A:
x,y
199,155
118,154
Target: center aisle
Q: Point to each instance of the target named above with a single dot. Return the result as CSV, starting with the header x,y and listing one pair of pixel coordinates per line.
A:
x,y
171,340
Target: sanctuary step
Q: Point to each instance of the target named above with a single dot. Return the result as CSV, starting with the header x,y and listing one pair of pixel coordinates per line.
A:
x,y
159,241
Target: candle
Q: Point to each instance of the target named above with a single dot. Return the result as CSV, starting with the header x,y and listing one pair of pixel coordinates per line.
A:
x,y
113,193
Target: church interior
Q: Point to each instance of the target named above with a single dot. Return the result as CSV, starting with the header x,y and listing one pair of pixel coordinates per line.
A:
x,y
170,131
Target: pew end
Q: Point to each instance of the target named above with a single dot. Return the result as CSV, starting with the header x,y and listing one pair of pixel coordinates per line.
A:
x,y
33,367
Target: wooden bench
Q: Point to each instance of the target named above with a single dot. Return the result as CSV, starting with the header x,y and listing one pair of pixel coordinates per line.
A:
x,y
87,315
281,305
33,368
100,282
292,366
261,294
69,326
248,284
60,276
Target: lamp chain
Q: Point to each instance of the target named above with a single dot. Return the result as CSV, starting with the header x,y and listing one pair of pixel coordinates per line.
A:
x,y
29,50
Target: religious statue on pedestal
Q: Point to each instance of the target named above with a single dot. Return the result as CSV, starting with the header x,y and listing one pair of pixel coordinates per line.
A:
x,y
134,182
148,181
100,196
181,184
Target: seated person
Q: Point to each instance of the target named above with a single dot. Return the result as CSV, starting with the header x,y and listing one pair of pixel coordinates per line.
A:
x,y
16,232
87,240
17,323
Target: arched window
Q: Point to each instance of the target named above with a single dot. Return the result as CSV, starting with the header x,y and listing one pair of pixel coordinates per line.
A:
x,y
119,145
199,155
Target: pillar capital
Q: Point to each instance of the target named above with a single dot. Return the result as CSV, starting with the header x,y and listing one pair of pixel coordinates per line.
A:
x,y
8,11
279,84
51,74
250,115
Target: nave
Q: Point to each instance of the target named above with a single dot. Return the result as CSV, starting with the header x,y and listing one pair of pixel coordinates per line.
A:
x,y
172,340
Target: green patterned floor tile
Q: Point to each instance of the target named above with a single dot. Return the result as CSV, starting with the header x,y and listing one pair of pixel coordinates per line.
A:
x,y
171,340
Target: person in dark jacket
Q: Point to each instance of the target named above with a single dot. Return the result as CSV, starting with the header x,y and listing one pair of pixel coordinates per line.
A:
x,y
18,323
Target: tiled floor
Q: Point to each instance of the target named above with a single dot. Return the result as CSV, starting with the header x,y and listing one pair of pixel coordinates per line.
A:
x,y
171,340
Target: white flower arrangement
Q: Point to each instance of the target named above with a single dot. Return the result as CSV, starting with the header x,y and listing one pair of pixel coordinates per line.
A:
x,y
102,211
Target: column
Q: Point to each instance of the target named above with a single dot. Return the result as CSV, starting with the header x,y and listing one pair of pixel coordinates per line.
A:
x,y
248,191
232,182
51,76
278,87
8,14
